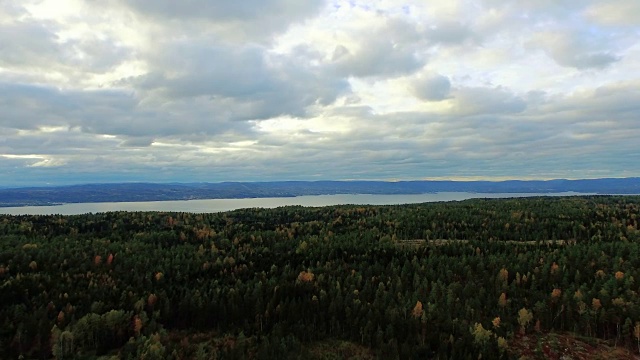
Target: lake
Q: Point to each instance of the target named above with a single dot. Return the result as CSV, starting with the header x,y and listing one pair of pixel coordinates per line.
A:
x,y
217,205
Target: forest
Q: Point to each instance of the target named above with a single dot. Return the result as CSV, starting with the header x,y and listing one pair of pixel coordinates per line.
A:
x,y
450,280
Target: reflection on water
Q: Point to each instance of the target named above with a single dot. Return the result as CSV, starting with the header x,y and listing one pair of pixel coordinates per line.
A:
x,y
217,205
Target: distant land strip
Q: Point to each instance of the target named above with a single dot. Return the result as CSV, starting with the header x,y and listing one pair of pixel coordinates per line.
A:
x,y
439,242
137,192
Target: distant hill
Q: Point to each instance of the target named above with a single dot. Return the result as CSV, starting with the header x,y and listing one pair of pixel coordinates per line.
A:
x,y
132,192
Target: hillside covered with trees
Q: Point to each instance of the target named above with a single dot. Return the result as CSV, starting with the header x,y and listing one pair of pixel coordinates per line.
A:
x,y
136,192
447,280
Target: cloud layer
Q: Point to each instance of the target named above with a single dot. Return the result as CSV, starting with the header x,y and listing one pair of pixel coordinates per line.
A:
x,y
140,90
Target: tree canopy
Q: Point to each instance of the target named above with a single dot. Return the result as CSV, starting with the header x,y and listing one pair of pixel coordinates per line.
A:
x,y
453,280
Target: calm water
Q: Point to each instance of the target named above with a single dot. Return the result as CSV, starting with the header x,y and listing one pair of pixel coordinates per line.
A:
x,y
217,205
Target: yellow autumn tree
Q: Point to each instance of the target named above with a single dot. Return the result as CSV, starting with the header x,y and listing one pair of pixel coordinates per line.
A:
x,y
502,300
417,310
137,325
480,334
596,304
619,302
496,322
152,299
306,276
524,318
503,345
503,276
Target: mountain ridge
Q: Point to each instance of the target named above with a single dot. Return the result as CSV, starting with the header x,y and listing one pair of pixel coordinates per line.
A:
x,y
145,191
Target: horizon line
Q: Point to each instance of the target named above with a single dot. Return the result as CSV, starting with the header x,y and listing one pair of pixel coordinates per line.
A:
x,y
468,179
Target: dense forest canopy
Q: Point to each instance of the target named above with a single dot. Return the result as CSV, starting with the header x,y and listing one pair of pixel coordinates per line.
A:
x,y
446,280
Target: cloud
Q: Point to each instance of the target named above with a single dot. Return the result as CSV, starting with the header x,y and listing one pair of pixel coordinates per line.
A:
x,y
539,10
35,160
615,13
247,19
433,87
390,49
29,43
188,69
287,10
451,32
48,162
137,142
45,51
487,101
580,50
32,106
239,83
214,91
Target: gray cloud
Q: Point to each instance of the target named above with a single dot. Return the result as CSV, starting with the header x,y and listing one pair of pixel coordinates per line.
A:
x,y
28,43
433,87
451,32
253,19
137,142
30,46
33,106
227,11
391,49
617,13
109,112
578,50
478,100
240,83
482,143
193,69
215,91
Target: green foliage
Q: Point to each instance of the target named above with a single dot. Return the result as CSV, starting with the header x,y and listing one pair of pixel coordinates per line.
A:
x,y
260,283
481,335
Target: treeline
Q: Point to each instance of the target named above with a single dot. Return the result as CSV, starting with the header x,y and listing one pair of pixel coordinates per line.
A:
x,y
263,283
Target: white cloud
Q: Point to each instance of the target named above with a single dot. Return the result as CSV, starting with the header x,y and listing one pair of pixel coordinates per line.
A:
x,y
48,162
283,89
615,13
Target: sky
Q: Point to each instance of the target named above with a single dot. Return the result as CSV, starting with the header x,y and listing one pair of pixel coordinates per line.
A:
x,y
261,90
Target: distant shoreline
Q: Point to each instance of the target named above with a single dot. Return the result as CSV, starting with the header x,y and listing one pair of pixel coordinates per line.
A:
x,y
149,192
224,205
574,193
